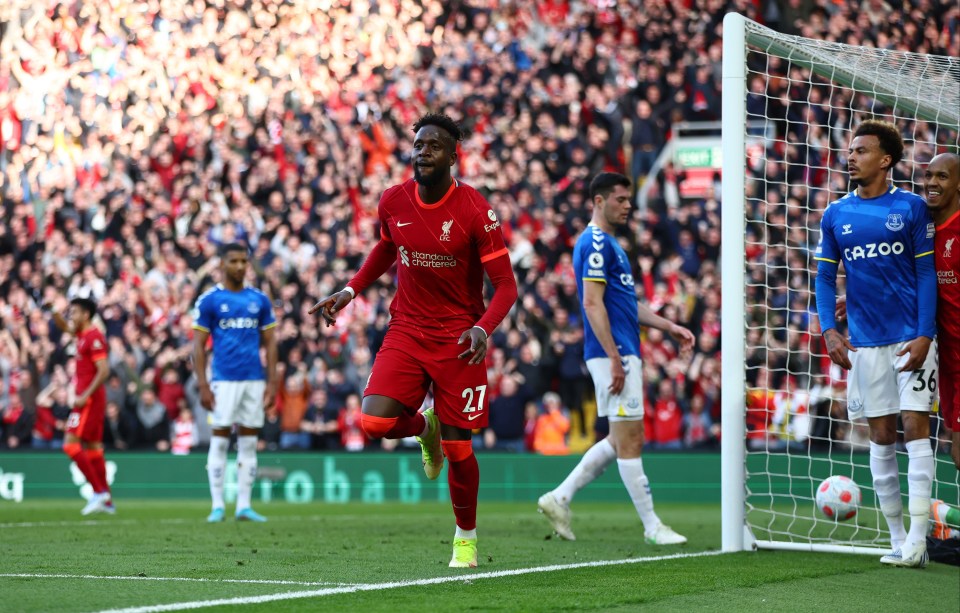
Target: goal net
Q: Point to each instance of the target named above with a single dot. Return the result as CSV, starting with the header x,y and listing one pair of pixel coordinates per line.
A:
x,y
785,425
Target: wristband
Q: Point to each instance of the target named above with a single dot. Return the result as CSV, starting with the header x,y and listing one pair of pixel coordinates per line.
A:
x,y
485,335
349,289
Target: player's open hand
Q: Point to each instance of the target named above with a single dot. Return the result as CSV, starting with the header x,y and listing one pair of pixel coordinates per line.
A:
x,y
478,345
841,312
837,347
270,395
618,375
683,336
918,349
331,305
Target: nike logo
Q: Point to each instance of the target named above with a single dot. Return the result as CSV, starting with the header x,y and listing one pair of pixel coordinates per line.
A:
x,y
400,225
472,417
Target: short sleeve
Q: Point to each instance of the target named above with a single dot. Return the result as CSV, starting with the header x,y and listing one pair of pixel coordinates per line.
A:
x,y
202,319
268,319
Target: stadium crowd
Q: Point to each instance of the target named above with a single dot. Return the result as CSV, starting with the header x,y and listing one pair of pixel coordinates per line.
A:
x,y
137,136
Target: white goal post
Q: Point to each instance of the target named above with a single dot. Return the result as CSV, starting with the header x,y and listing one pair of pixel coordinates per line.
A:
x,y
783,406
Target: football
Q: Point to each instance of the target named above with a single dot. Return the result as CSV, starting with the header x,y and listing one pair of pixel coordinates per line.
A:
x,y
838,498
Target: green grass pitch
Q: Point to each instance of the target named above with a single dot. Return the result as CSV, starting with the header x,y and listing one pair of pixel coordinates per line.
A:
x,y
162,556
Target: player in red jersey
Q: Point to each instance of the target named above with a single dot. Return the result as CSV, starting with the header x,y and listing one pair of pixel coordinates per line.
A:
x,y
83,441
942,185
444,237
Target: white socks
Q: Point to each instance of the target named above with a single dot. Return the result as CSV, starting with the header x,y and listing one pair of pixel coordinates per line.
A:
x,y
591,466
920,469
631,472
886,482
465,534
246,469
216,467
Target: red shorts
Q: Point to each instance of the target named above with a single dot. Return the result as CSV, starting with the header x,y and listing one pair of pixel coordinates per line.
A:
x,y
950,383
406,366
86,423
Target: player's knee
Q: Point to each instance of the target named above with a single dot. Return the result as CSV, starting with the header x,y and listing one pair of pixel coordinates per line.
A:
x,y
457,451
376,427
72,449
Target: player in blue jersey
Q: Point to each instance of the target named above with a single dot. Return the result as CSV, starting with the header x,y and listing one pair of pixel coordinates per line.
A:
x,y
884,237
608,296
240,320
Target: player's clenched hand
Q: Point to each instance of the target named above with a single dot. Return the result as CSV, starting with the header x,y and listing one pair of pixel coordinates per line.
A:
x,y
331,305
478,345
206,397
917,348
618,375
841,313
837,348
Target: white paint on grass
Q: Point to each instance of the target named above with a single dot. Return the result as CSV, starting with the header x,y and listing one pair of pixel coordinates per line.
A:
x,y
349,589
188,579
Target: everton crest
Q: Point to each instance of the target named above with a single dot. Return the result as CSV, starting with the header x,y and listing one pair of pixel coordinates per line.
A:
x,y
894,222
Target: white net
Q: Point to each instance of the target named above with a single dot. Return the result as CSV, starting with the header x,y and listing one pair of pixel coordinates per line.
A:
x,y
810,95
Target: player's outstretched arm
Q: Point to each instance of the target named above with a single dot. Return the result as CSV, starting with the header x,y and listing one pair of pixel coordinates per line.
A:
x,y
381,258
682,335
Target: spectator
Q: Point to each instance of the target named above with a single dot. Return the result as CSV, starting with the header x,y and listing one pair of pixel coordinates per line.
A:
x,y
507,418
552,426
16,421
119,427
183,432
154,424
665,425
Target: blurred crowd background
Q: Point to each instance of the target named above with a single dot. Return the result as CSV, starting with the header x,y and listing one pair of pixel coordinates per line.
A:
x,y
137,136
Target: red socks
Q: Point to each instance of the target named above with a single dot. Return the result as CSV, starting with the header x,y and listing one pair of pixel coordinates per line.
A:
x,y
93,468
463,478
393,427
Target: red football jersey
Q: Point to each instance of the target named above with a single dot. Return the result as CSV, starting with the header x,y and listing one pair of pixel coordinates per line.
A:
x,y
91,346
441,248
947,245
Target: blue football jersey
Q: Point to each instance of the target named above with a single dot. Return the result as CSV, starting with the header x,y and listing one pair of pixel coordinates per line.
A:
x,y
598,257
234,321
886,246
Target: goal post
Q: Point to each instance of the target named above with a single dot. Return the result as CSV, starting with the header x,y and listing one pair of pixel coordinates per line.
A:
x,y
783,408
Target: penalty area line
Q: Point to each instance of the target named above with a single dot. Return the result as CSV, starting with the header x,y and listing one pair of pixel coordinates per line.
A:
x,y
349,589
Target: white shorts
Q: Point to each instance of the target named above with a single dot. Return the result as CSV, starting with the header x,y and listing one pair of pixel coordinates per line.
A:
x,y
628,404
876,387
238,402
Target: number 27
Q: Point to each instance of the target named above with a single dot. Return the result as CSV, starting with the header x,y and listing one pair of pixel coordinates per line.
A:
x,y
467,393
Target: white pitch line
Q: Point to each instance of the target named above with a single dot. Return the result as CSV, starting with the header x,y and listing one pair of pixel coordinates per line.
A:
x,y
128,522
191,579
244,600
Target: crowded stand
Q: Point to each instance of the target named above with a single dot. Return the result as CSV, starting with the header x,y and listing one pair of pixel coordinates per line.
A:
x,y
138,136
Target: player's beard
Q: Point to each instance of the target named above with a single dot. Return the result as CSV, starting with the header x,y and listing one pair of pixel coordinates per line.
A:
x,y
431,179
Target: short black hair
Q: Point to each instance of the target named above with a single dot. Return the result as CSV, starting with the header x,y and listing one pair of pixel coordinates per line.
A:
x,y
890,140
87,304
230,247
444,121
603,184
